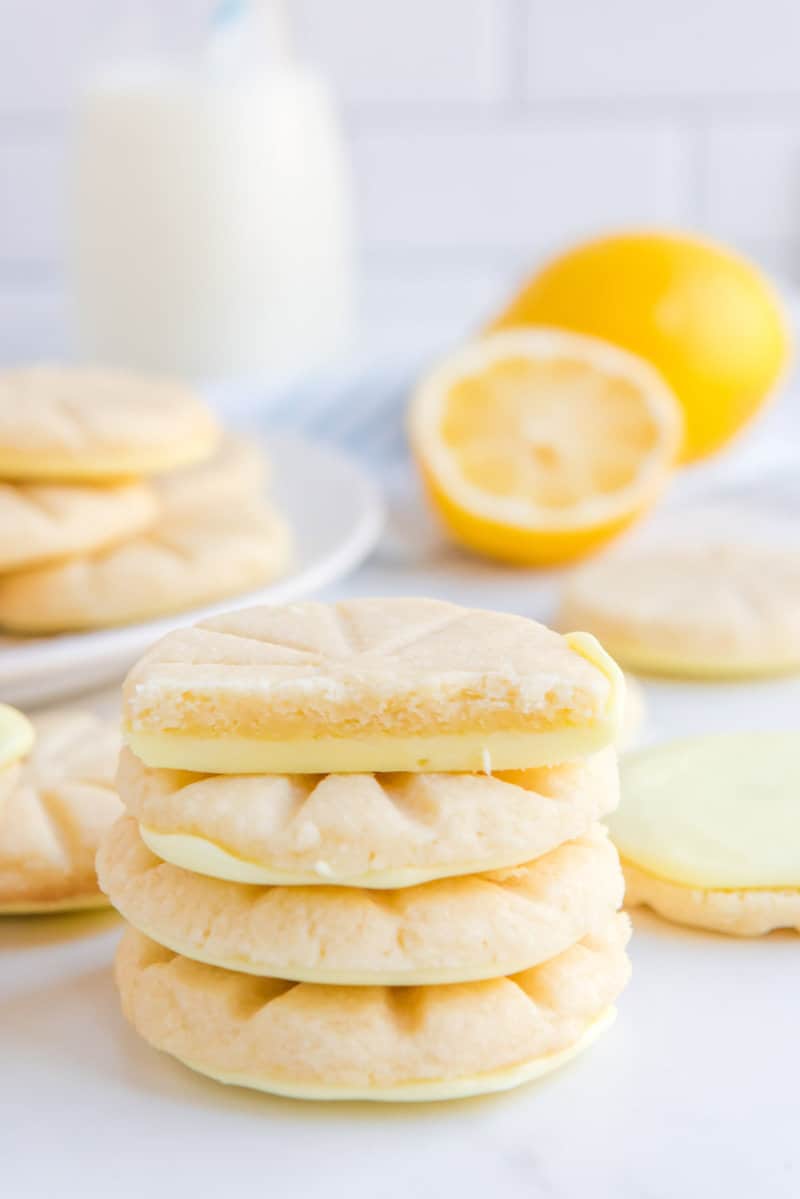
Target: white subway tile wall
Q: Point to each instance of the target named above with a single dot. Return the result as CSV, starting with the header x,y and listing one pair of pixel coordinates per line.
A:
x,y
32,187
639,49
485,132
516,186
398,52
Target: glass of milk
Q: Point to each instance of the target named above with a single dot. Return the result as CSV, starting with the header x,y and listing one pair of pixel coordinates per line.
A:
x,y
212,217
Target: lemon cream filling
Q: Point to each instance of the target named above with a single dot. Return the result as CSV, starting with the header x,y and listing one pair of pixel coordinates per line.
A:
x,y
454,752
16,736
43,907
205,857
201,856
718,813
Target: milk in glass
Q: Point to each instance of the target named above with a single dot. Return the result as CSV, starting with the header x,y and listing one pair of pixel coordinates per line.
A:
x,y
213,214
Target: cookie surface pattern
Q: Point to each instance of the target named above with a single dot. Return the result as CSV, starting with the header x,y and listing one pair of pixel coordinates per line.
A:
x,y
453,930
72,424
336,1042
715,611
363,830
180,564
42,522
55,807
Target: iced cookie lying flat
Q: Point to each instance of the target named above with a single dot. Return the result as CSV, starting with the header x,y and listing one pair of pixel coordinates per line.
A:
x,y
182,563
380,1043
44,522
72,424
698,612
709,831
370,685
453,930
55,807
363,830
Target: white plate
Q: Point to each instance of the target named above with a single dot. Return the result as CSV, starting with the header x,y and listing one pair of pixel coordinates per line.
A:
x,y
336,514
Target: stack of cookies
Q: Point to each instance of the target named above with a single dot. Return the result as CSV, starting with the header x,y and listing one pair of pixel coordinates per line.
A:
x,y
119,502
362,856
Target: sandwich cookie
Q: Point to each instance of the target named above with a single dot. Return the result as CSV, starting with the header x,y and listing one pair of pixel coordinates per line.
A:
x,y
182,563
363,830
452,930
82,425
370,685
236,475
709,833
380,1043
696,612
55,807
44,522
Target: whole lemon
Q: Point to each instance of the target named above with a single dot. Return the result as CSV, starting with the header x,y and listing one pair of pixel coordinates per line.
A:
x,y
704,316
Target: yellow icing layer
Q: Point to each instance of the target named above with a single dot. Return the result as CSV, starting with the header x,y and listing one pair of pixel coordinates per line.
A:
x,y
41,907
16,735
415,1092
206,857
718,813
376,755
112,467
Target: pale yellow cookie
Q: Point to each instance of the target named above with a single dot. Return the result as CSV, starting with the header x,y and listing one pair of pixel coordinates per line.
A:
x,y
236,475
363,830
181,564
709,834
370,685
696,611
55,807
742,913
452,930
380,1043
44,522
82,424
16,736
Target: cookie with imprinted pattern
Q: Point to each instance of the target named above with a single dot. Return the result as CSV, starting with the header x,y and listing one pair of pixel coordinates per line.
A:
x,y
381,1043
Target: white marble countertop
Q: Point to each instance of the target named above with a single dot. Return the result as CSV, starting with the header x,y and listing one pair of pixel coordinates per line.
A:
x,y
692,1093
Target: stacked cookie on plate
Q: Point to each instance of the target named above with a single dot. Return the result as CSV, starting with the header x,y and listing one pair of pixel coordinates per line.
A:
x,y
362,856
120,503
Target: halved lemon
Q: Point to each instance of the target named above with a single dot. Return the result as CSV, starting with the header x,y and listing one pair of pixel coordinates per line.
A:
x,y
702,315
538,445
